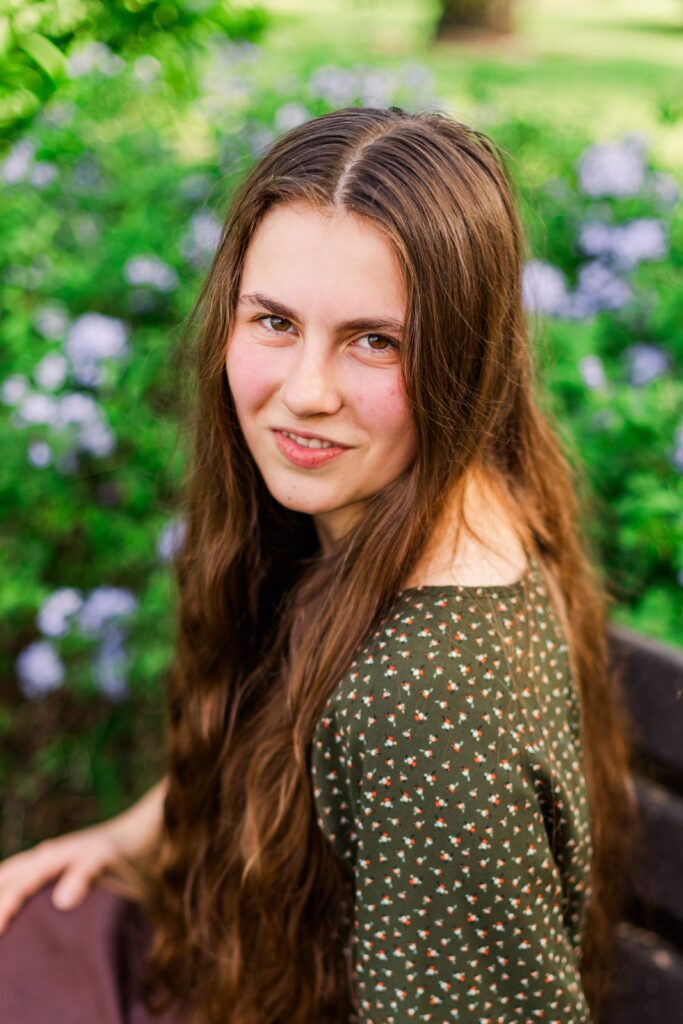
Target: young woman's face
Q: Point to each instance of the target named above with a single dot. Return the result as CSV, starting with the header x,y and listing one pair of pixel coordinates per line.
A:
x,y
314,351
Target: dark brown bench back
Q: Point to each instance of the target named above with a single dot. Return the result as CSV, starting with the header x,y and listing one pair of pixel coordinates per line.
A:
x,y
649,983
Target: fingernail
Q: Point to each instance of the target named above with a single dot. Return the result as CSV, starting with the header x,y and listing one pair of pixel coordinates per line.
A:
x,y
62,899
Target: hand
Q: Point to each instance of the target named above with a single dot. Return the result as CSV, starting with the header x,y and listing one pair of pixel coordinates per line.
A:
x,y
77,859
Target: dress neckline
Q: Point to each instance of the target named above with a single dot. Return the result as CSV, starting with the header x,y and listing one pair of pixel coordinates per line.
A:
x,y
488,589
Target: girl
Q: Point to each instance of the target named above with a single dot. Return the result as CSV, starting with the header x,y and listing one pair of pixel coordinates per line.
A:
x,y
397,781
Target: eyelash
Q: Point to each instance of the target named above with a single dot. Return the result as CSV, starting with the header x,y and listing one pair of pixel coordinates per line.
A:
x,y
371,334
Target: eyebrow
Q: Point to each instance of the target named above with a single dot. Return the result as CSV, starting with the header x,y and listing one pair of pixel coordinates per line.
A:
x,y
360,324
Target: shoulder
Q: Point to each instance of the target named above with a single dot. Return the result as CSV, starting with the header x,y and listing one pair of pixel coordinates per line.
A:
x,y
497,556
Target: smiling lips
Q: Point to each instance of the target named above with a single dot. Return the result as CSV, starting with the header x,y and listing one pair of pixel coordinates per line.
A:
x,y
306,455
306,435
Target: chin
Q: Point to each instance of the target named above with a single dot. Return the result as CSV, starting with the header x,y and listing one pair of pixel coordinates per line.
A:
x,y
309,504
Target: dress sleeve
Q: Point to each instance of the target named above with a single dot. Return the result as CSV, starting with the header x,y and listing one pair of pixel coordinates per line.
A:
x,y
459,900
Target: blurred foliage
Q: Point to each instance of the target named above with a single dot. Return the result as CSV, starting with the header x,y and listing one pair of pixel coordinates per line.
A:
x,y
118,193
36,37
116,184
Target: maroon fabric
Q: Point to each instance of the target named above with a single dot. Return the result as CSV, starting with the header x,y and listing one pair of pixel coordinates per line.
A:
x,y
79,966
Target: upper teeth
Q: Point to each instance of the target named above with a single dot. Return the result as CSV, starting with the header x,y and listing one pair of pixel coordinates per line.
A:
x,y
308,442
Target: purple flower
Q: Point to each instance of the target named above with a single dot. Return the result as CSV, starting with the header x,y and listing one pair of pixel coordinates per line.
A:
x,y
51,320
36,407
14,389
665,187
104,604
376,86
97,438
18,163
646,362
39,669
338,86
42,173
151,271
625,245
593,372
74,407
50,372
595,238
93,56
612,169
544,288
642,239
289,115
92,433
57,612
74,412
171,539
111,664
92,338
598,288
57,113
39,454
373,86
260,140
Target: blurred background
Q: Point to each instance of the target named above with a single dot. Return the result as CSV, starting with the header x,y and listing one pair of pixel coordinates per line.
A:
x,y
124,126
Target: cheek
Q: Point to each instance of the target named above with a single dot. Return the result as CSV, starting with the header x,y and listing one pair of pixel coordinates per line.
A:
x,y
383,409
250,376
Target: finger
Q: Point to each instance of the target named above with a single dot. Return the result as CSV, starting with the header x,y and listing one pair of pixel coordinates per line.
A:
x,y
8,908
30,871
71,889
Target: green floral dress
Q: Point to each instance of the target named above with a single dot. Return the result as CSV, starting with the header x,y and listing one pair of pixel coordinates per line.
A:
x,y
447,773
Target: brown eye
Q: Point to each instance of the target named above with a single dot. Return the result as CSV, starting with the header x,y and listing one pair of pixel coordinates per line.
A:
x,y
385,344
281,320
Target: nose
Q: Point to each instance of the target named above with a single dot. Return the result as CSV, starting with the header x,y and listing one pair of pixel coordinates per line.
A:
x,y
310,386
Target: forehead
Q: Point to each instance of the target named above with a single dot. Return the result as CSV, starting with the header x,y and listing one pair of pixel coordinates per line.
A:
x,y
324,261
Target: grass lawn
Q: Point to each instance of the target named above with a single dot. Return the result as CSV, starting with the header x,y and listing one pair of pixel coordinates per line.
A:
x,y
602,68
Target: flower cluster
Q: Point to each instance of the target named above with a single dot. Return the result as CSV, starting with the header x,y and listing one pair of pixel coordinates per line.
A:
x,y
644,363
92,343
613,170
374,87
102,615
20,165
93,56
624,246
613,177
74,414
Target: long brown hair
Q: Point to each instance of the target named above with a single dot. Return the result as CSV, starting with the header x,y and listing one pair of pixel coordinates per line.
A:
x,y
250,907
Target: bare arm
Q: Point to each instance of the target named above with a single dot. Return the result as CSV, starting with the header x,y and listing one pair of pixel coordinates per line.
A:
x,y
137,828
78,858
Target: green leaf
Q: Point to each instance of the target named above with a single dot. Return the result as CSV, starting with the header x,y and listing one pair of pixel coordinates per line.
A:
x,y
46,55
5,33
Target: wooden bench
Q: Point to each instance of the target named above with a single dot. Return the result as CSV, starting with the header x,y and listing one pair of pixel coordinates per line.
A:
x,y
649,941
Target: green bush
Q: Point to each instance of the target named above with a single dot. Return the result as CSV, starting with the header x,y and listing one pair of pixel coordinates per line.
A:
x,y
118,189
